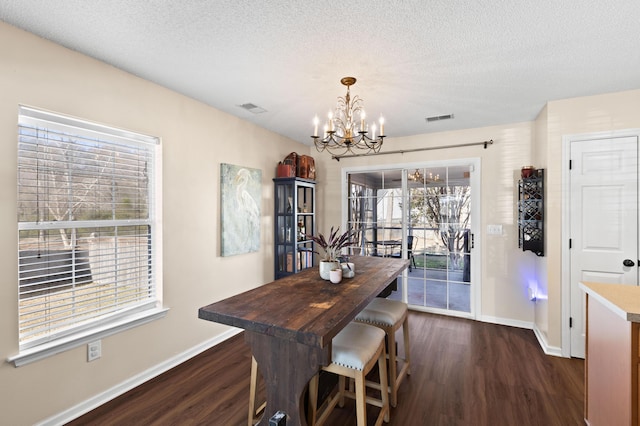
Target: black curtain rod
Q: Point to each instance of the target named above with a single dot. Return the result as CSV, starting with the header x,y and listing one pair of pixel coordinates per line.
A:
x,y
402,151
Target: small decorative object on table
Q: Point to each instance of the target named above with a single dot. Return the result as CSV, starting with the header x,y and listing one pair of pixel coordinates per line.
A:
x,y
332,249
348,269
335,275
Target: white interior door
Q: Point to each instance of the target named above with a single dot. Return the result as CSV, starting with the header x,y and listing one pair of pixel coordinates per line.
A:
x,y
604,220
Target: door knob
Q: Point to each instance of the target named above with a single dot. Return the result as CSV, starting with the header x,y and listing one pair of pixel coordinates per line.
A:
x,y
628,262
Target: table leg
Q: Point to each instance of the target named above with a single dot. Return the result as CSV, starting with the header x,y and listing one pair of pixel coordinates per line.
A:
x,y
286,367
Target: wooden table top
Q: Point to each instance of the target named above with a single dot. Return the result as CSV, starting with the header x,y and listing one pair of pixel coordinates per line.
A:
x,y
303,307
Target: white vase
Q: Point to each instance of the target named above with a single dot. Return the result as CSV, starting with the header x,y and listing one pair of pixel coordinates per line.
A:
x,y
326,266
348,270
335,275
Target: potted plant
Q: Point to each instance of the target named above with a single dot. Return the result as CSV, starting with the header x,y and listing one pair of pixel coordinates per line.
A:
x,y
332,248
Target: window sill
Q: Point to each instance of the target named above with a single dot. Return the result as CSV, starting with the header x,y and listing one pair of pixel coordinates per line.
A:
x,y
48,349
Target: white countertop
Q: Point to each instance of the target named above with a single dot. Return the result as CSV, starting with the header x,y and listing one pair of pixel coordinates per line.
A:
x,y
622,299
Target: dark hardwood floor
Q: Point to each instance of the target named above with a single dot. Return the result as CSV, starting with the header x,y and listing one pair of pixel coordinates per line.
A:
x,y
463,373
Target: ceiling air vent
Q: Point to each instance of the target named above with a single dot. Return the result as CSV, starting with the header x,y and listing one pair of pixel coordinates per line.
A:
x,y
439,118
253,108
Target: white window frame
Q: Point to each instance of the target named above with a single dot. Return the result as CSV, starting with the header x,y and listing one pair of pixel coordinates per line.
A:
x,y
125,317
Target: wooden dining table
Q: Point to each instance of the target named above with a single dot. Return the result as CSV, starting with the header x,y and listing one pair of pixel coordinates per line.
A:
x,y
289,324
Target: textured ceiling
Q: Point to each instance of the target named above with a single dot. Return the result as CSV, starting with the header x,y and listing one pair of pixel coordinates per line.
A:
x,y
486,61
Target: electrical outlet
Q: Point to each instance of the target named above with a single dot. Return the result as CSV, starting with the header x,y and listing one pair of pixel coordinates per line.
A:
x,y
94,350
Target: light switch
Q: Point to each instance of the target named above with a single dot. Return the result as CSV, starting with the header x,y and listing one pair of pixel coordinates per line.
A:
x,y
494,229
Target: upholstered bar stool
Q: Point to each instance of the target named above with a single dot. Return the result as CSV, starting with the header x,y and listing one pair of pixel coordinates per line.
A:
x,y
390,315
354,352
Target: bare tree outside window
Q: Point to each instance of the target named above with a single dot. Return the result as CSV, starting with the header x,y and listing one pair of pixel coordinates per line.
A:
x,y
446,209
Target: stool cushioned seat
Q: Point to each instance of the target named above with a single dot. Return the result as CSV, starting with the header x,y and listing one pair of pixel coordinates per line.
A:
x,y
355,345
383,311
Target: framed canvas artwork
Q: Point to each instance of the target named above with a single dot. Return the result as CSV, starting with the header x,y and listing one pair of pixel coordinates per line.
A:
x,y
240,192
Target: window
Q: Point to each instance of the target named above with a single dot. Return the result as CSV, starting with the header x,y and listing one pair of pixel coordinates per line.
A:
x,y
88,241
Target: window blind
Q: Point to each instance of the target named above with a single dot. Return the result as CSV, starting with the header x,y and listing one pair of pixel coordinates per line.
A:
x,y
85,224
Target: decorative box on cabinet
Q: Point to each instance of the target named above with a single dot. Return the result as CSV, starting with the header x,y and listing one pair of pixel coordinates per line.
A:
x,y
531,213
294,217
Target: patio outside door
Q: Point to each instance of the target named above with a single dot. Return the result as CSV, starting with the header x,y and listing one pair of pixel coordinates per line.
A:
x,y
422,214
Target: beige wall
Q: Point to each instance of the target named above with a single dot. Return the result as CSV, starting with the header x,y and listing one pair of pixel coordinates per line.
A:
x,y
195,140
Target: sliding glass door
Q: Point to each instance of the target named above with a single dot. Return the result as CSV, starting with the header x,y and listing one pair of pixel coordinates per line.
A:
x,y
423,214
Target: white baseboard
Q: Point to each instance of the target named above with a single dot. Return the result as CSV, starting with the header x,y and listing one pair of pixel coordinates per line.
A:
x,y
106,396
542,340
507,321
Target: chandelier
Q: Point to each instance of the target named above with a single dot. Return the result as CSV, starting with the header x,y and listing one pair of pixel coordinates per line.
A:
x,y
419,177
343,133
416,176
